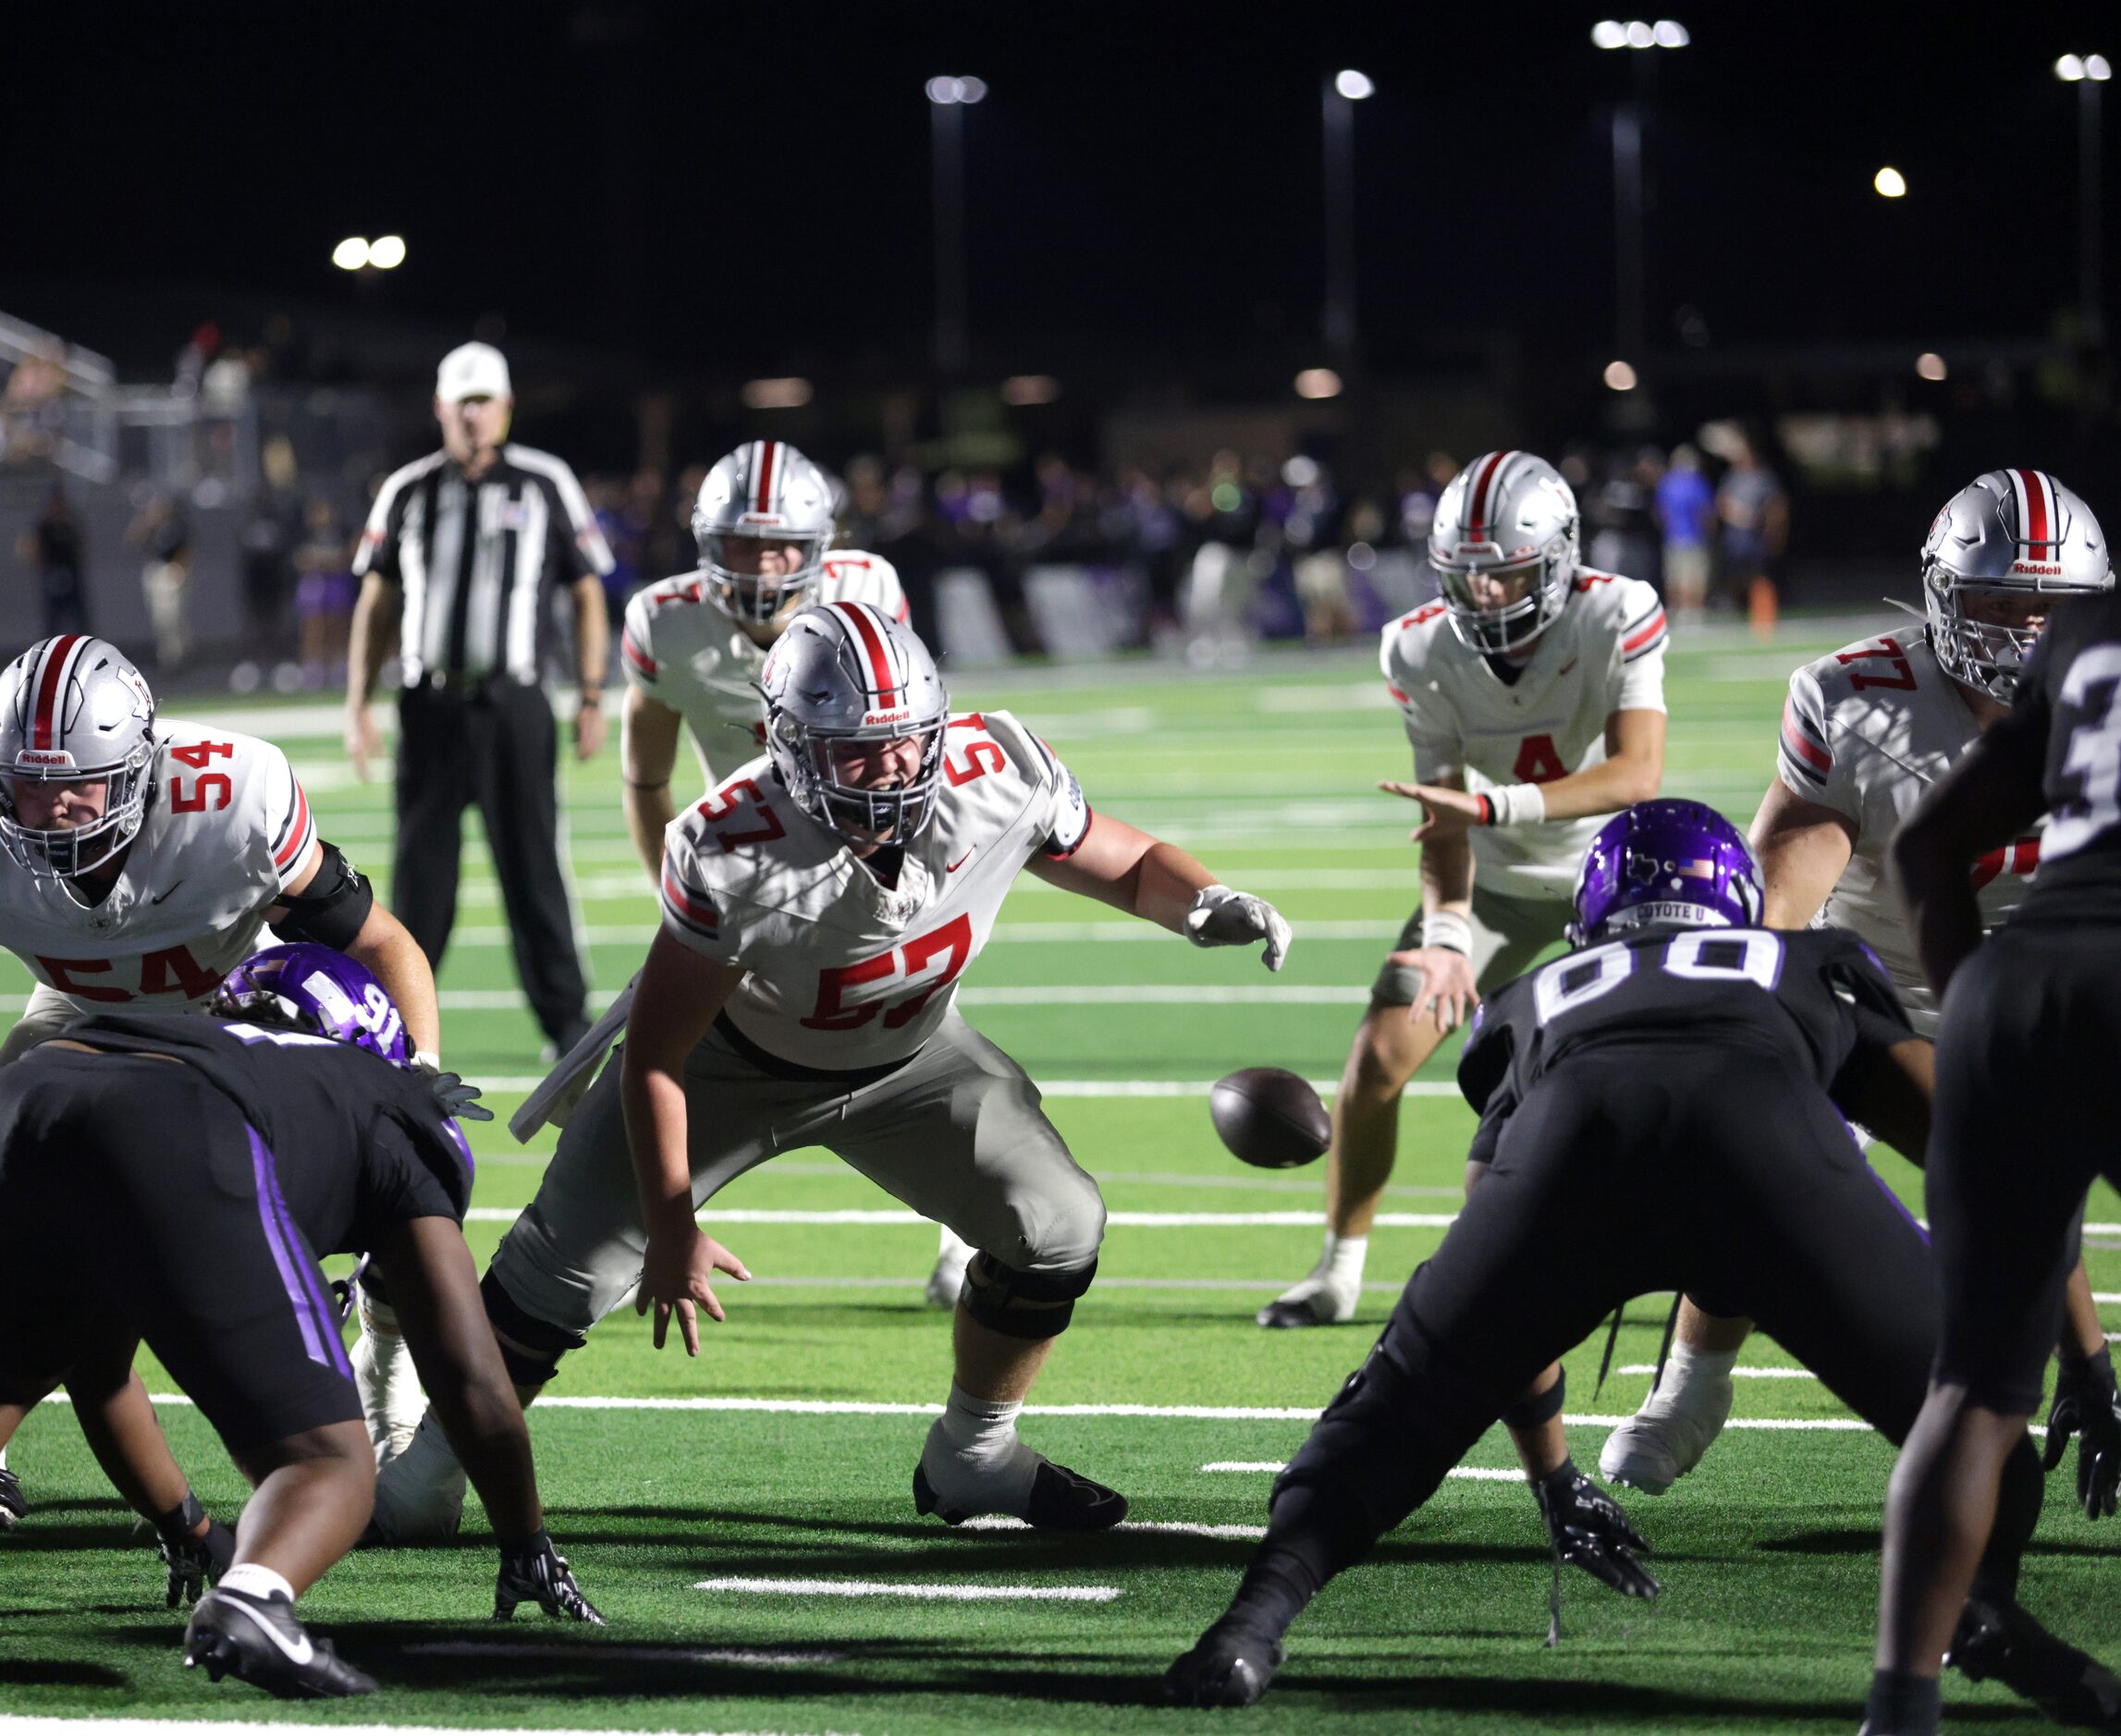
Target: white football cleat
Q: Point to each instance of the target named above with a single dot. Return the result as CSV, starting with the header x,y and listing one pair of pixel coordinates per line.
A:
x,y
419,1494
1327,1295
948,1278
1664,1441
391,1401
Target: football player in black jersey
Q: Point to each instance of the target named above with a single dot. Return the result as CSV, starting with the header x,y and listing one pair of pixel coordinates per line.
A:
x,y
1662,1109
2026,1114
176,1180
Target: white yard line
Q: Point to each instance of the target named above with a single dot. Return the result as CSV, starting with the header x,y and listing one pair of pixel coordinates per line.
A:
x,y
621,1654
1743,1374
961,1594
1175,1527
1471,1474
12,1724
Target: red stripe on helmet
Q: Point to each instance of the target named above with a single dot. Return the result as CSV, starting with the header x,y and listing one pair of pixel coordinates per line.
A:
x,y
763,495
56,660
1476,519
2036,524
871,642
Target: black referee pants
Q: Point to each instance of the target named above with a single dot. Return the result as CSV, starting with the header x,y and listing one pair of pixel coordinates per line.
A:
x,y
1629,1170
497,746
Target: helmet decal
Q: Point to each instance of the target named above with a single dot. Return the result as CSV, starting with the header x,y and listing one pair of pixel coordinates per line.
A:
x,y
1665,861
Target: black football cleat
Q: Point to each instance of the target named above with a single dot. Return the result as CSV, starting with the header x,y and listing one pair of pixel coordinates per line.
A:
x,y
13,1507
2002,1642
1061,1499
1224,1669
258,1640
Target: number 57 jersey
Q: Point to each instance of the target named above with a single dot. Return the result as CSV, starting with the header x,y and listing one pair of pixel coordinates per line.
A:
x,y
226,828
842,972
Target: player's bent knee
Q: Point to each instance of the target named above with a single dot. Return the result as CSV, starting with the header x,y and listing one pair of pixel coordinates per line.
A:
x,y
1387,1050
1539,1408
531,1348
1020,1304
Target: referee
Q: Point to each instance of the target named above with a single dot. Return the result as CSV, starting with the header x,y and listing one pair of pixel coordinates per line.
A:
x,y
460,552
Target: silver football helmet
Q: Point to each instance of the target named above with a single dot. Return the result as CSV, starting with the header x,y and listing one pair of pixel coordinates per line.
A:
x,y
2006,536
73,710
1505,543
765,493
845,673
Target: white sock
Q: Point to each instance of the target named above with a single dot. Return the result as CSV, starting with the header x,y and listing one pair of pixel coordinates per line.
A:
x,y
256,1580
984,1454
1342,1262
1688,1371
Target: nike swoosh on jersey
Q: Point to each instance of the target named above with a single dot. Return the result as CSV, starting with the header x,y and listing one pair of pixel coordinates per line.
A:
x,y
164,893
951,868
294,1654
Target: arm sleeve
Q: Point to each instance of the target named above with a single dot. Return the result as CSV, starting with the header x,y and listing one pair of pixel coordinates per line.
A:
x,y
585,553
413,1170
1065,817
1438,753
377,551
692,912
637,647
290,826
1804,759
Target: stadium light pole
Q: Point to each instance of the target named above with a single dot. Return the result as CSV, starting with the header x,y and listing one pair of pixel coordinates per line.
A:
x,y
948,99
2089,73
1342,92
1631,323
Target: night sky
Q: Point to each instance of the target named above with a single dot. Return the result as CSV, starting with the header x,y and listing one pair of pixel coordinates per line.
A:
x,y
731,189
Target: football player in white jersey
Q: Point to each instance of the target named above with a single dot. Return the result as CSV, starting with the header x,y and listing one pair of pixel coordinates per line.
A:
x,y
1865,732
143,858
818,911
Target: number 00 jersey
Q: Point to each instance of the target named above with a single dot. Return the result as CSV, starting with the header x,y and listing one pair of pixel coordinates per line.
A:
x,y
682,648
1812,997
1604,653
1865,731
226,828
843,973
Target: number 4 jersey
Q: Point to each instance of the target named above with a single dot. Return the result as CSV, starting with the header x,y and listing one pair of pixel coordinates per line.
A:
x,y
1812,997
226,828
842,972
1866,730
1604,653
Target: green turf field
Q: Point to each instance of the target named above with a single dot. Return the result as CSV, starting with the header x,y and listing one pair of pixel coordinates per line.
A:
x,y
703,1503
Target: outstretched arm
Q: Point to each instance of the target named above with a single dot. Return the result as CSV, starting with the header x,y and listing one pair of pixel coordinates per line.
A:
x,y
1120,866
1631,772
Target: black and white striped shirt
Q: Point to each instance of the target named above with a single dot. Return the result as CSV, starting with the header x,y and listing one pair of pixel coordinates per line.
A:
x,y
473,559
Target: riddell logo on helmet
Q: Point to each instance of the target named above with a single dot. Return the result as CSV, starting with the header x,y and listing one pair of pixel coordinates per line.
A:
x,y
44,759
772,521
2037,568
904,715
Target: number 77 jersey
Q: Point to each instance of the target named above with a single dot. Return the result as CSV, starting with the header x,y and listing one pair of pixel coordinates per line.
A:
x,y
841,972
226,828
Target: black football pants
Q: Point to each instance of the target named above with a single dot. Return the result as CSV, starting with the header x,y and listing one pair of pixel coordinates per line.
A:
x,y
1628,1171
496,746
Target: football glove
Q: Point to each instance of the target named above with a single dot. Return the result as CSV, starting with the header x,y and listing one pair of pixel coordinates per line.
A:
x,y
1222,917
191,1562
458,1097
2087,1405
533,1569
1591,1533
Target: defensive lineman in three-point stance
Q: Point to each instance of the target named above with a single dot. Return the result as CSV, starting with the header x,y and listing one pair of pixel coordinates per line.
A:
x,y
1865,732
818,911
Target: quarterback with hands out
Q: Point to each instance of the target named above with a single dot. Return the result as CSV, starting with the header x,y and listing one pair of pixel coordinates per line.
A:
x,y
818,911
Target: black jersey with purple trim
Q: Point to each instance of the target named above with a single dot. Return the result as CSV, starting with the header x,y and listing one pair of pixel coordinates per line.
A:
x,y
360,1145
1813,998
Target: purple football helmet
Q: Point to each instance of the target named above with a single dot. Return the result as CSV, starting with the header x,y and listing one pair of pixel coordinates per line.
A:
x,y
313,989
1665,861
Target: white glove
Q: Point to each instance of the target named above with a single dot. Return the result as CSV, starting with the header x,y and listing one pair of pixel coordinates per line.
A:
x,y
1223,917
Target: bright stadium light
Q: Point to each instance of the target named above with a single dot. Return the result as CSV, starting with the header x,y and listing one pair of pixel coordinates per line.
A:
x,y
1640,35
949,91
783,394
1620,377
1890,183
2069,69
1353,85
386,252
1609,33
1670,34
351,254
2098,68
971,90
1929,365
1317,382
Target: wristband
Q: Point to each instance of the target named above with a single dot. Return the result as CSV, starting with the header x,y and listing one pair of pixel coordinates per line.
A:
x,y
1514,804
1448,930
181,1522
592,697
426,1064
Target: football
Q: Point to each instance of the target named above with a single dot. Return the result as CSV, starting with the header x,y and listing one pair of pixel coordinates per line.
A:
x,y
1270,1117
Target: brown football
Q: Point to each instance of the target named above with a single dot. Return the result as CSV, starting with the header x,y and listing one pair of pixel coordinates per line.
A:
x,y
1270,1117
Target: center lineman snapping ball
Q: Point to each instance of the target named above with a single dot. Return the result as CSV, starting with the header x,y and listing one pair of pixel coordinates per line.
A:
x,y
1270,1117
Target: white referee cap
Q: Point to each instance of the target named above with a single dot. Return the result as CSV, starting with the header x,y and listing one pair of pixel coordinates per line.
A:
x,y
472,371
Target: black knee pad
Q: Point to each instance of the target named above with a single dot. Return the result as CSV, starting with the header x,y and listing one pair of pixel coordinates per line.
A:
x,y
1541,1407
531,1348
1022,1304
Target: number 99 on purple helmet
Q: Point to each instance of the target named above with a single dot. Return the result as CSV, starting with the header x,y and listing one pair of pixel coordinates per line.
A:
x,y
1667,860
313,988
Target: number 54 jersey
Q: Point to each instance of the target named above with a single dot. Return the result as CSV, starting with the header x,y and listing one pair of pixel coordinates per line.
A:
x,y
1604,653
843,973
226,828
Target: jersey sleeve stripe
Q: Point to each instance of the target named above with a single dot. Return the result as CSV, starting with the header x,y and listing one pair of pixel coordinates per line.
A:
x,y
1642,641
1399,697
1089,819
1801,747
289,850
639,658
689,910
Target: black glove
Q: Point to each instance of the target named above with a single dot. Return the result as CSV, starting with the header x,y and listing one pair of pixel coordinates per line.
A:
x,y
458,1097
1590,1531
192,1561
2086,1405
533,1569
12,1506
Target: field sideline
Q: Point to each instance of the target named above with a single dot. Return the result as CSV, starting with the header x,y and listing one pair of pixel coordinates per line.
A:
x,y
746,1521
